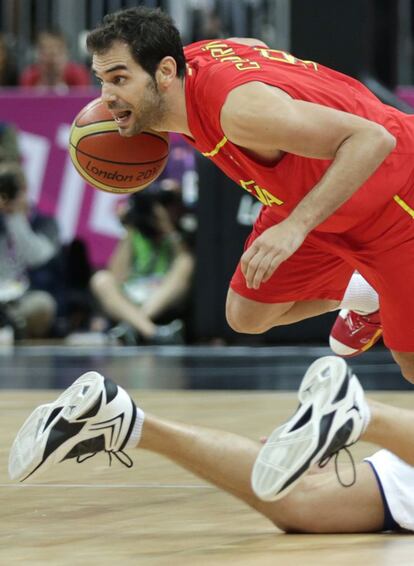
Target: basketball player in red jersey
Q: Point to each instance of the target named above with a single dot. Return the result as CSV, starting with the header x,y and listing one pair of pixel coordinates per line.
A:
x,y
331,164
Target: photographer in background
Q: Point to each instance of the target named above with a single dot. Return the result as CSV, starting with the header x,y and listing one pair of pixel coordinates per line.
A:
x,y
28,242
149,275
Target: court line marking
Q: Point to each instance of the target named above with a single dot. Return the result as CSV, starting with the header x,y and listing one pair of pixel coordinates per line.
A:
x,y
108,485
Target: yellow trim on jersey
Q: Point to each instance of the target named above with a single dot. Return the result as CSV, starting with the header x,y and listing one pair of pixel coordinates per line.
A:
x,y
404,205
215,151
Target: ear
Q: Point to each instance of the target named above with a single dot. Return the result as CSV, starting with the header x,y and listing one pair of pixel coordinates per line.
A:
x,y
166,72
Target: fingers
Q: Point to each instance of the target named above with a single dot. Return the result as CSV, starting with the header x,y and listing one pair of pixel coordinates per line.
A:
x,y
273,265
258,267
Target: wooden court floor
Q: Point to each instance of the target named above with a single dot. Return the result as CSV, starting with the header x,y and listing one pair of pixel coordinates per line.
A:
x,y
156,513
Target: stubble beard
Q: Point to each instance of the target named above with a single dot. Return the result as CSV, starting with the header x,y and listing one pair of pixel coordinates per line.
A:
x,y
151,111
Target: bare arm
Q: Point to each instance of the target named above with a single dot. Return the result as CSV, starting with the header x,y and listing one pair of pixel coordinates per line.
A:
x,y
260,117
120,262
265,120
174,285
34,249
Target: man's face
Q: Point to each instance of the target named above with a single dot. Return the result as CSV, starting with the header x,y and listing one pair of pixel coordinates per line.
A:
x,y
130,93
52,52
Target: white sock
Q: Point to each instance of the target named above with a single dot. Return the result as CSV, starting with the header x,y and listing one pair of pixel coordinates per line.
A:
x,y
360,296
135,435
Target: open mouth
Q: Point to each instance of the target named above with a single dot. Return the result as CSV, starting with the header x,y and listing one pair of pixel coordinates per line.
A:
x,y
121,118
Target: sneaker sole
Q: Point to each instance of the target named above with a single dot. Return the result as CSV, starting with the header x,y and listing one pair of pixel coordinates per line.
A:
x,y
282,462
27,452
345,351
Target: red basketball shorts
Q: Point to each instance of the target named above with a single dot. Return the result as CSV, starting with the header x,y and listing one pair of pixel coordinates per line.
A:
x,y
382,250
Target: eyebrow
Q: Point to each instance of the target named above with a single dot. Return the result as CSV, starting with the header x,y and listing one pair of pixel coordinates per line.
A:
x,y
119,67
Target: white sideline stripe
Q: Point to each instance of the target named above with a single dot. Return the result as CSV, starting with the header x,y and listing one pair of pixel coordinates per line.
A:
x,y
108,485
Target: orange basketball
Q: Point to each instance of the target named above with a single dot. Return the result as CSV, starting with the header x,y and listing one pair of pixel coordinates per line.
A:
x,y
110,162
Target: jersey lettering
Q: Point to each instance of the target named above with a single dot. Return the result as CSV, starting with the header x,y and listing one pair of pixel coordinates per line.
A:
x,y
223,52
284,57
266,198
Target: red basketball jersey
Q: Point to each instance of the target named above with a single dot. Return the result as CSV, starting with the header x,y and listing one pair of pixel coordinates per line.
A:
x,y
216,67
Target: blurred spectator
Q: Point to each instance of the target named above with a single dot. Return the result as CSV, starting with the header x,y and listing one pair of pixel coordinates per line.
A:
x,y
53,68
9,148
28,241
149,275
207,24
8,71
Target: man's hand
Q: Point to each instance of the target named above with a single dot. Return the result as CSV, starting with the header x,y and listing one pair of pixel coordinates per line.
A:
x,y
267,252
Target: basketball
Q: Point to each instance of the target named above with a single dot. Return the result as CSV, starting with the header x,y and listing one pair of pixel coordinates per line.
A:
x,y
110,162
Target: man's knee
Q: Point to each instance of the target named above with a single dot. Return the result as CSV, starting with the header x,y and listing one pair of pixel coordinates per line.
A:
x,y
298,514
241,321
406,362
240,316
251,317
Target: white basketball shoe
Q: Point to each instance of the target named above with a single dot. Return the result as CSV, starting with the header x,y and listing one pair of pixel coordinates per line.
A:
x,y
332,415
92,415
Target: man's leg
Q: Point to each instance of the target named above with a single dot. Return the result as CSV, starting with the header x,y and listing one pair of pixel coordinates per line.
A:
x,y
318,504
76,425
406,362
391,428
310,282
254,317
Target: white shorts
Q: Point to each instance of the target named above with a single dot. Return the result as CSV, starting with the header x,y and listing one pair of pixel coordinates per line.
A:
x,y
396,479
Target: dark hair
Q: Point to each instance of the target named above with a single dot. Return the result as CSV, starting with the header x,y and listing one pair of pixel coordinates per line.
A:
x,y
149,33
141,214
11,180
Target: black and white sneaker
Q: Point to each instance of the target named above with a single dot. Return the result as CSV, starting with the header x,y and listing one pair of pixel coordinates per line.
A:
x,y
332,415
92,415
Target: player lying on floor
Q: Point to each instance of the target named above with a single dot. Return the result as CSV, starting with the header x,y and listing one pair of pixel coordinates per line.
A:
x,y
277,479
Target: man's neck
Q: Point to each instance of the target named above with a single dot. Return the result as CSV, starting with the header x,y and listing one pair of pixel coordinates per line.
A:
x,y
176,119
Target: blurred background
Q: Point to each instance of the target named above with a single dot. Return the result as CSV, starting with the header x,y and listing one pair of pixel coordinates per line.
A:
x,y
62,243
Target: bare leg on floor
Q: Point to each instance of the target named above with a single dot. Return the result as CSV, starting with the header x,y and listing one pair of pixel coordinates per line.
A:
x,y
317,504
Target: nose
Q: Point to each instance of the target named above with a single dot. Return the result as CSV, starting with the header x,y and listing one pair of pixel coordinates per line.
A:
x,y
107,95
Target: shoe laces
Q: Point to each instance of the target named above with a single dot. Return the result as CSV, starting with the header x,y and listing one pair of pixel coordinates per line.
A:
x,y
356,321
120,455
325,461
